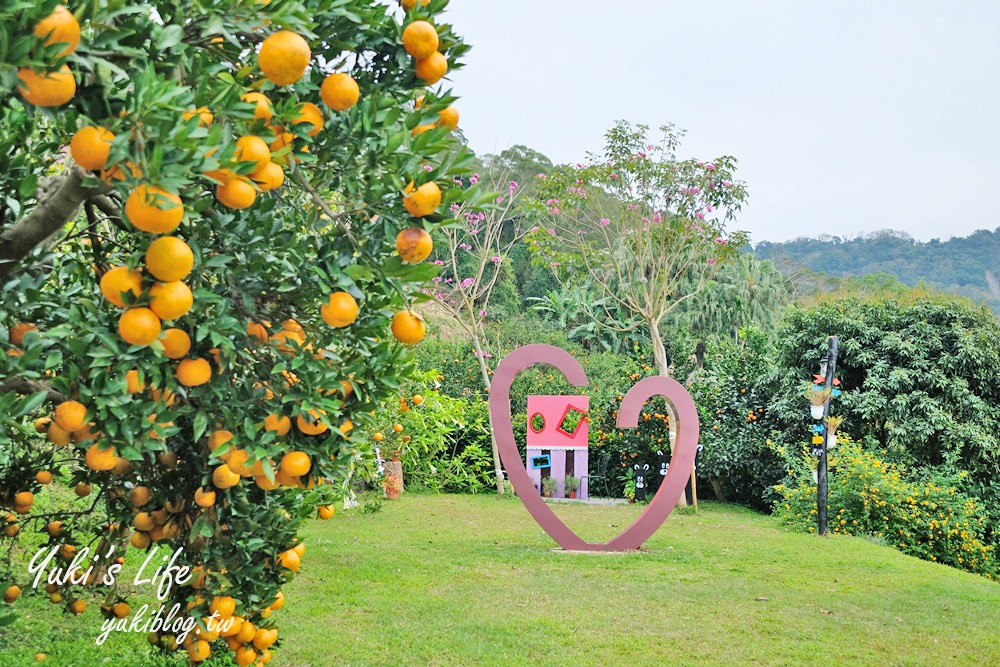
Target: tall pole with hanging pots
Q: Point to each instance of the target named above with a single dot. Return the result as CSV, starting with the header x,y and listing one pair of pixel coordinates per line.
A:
x,y
822,482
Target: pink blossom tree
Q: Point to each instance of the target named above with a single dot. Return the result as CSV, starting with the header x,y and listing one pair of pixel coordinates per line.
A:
x,y
471,258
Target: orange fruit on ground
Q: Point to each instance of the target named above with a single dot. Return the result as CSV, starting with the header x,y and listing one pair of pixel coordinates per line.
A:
x,y
423,200
378,436
43,477
448,118
284,57
118,280
414,245
171,300
121,610
398,428
295,464
420,39
432,68
101,459
60,27
176,343
90,147
340,311
169,258
257,331
204,114
325,512
238,193
59,436
313,427
270,177
311,114
82,489
278,423
71,415
20,330
245,656
224,478
417,399
263,109
153,209
253,149
340,91
193,372
204,498
77,606
408,327
139,326
12,593
46,89
289,560
224,606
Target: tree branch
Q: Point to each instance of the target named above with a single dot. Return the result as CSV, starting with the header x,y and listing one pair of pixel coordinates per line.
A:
x,y
22,385
55,208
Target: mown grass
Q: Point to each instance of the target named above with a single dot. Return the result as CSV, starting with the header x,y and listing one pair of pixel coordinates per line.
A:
x,y
462,580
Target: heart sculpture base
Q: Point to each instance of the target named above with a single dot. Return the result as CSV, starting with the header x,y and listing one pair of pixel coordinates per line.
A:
x,y
685,446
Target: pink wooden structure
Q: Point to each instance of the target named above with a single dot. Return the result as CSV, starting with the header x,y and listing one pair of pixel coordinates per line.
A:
x,y
567,450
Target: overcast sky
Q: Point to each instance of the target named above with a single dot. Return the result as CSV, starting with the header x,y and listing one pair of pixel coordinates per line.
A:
x,y
846,117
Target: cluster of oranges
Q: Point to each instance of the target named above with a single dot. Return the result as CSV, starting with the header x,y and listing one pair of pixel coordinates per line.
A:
x,y
250,644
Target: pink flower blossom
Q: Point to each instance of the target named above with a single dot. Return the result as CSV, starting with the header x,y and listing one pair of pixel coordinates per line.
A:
x,y
513,186
614,176
468,282
721,241
438,262
427,167
711,261
541,177
500,199
535,228
455,208
482,313
552,232
605,222
495,259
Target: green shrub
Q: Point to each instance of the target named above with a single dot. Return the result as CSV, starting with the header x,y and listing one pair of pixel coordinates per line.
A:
x,y
928,518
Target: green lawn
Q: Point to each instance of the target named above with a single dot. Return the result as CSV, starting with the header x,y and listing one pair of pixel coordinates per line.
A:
x,y
460,580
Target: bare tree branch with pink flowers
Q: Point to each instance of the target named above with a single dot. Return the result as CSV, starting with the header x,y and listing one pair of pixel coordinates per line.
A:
x,y
472,258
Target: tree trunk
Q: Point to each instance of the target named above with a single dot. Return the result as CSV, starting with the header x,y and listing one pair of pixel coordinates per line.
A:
x,y
497,465
660,357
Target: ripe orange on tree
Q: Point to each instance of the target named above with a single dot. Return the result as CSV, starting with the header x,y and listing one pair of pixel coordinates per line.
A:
x,y
71,415
414,244
295,464
325,512
420,39
169,258
20,330
262,105
238,192
423,200
432,68
448,117
340,311
46,89
311,425
43,477
12,593
153,209
340,91
284,57
204,498
60,27
193,372
118,280
170,300
410,4
90,147
101,459
59,436
139,326
224,478
289,560
280,424
176,343
268,178
253,149
205,116
408,327
258,332
311,114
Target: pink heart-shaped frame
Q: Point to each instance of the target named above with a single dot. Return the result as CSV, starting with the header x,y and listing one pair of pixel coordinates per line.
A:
x,y
670,490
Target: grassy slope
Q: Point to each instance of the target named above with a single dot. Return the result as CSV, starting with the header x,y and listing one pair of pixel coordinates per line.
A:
x,y
471,580
458,580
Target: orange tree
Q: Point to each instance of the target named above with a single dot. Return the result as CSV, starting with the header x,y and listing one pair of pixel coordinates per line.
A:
x,y
202,286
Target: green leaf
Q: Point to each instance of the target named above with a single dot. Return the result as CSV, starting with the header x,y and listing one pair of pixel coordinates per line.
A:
x,y
31,403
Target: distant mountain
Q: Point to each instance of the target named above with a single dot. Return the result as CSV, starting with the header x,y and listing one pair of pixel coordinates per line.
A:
x,y
969,266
